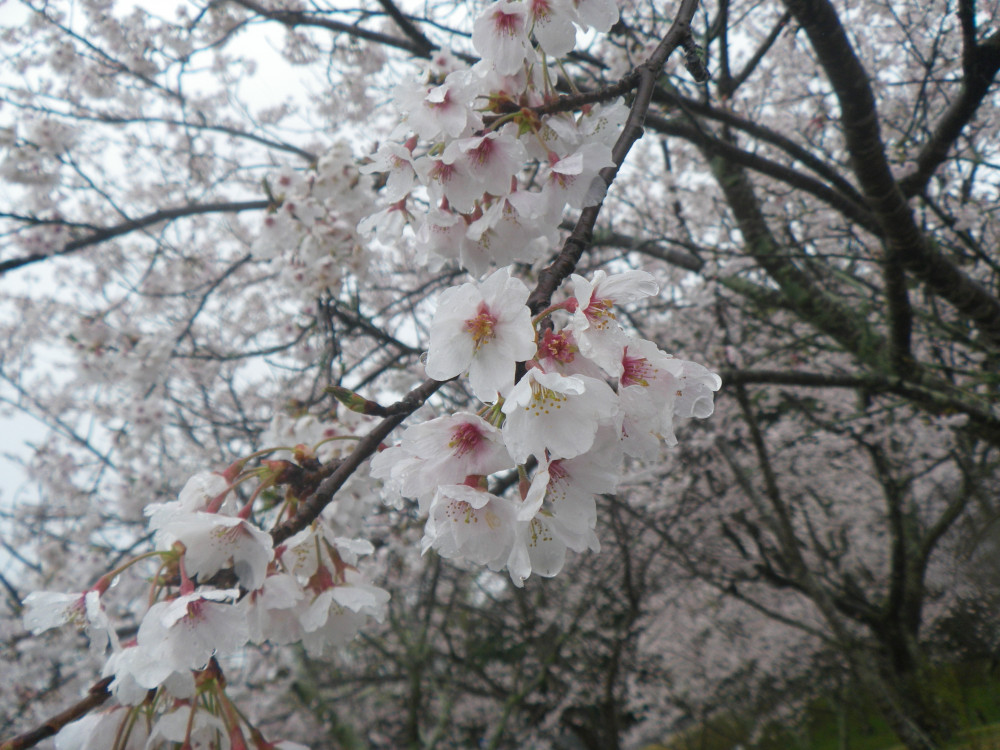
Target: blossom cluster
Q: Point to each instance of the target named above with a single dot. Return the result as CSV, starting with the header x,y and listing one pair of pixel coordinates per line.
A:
x,y
460,180
483,178
221,584
480,178
311,230
590,394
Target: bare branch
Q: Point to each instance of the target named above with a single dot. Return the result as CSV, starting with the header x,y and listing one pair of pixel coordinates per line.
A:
x,y
102,235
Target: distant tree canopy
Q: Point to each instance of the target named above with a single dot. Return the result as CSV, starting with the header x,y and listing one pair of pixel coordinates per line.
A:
x,y
346,257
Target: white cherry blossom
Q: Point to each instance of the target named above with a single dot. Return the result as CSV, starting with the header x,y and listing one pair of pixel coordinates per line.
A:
x,y
594,324
552,25
491,160
101,730
555,413
214,541
485,329
500,36
471,524
184,633
50,609
573,180
445,450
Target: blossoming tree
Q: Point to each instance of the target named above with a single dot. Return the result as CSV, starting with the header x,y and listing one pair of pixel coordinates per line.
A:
x,y
296,349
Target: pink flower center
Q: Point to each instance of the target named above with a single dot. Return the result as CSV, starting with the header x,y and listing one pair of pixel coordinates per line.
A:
x,y
541,9
482,327
599,311
321,580
558,346
556,471
443,172
507,24
445,103
465,439
637,370
195,610
483,153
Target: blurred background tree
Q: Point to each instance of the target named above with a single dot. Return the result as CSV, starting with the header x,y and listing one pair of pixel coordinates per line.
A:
x,y
821,212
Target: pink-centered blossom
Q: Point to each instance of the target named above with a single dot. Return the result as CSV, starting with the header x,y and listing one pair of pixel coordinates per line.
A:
x,y
500,36
445,109
595,324
397,161
483,328
450,181
558,352
50,609
574,180
445,450
490,160
177,636
540,537
441,237
338,609
552,25
654,388
513,229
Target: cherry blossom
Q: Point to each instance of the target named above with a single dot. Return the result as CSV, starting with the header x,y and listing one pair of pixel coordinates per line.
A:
x,y
397,161
500,35
49,609
338,610
552,26
594,324
468,523
214,541
113,728
557,414
573,179
441,109
445,450
184,633
485,329
491,160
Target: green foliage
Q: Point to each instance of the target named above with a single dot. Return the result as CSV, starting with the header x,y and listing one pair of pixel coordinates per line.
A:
x,y
848,721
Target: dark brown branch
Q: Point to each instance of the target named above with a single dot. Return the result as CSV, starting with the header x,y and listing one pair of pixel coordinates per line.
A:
x,y
311,508
96,696
293,18
903,240
565,263
102,235
408,27
810,302
687,259
765,135
981,65
710,144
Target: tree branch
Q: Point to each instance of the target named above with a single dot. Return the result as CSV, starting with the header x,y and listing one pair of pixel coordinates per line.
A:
x,y
96,696
102,235
902,238
565,263
981,64
294,18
